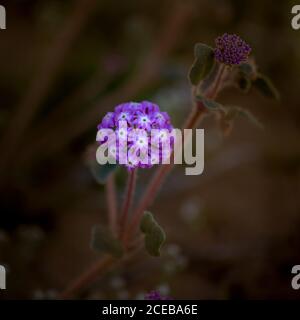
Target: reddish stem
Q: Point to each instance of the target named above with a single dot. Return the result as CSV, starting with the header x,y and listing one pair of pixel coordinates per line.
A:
x,y
131,181
159,177
89,276
162,171
217,84
111,203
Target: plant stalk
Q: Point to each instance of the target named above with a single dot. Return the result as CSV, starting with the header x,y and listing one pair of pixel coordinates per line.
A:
x,y
161,173
159,176
111,203
131,182
87,277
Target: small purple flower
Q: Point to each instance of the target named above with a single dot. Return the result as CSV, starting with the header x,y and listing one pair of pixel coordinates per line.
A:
x,y
161,119
155,295
107,121
143,121
140,119
149,107
231,49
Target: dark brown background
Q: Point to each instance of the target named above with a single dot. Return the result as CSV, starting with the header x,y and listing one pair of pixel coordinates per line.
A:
x,y
232,232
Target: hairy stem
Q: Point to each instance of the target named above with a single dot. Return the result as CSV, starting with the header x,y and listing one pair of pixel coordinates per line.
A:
x,y
161,173
131,181
87,277
174,26
96,270
111,203
217,83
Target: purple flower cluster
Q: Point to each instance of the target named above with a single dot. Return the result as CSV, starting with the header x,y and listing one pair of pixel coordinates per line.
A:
x,y
231,49
155,295
133,124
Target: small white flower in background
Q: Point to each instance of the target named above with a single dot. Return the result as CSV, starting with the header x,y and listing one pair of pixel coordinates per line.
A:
x,y
140,296
176,259
163,289
117,282
191,209
173,250
182,261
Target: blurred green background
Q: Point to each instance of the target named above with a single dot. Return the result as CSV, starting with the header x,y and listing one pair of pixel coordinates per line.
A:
x,y
232,232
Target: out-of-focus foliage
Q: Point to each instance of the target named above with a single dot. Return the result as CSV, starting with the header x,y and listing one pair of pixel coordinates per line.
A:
x,y
236,225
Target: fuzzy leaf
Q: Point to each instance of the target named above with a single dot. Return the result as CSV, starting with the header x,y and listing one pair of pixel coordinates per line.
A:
x,y
103,241
233,112
247,69
245,76
244,83
266,87
210,104
203,64
101,172
154,234
251,118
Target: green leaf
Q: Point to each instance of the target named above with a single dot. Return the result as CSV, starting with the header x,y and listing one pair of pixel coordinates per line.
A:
x,y
101,172
246,74
247,69
154,234
233,112
203,64
104,241
247,114
266,87
244,83
210,104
